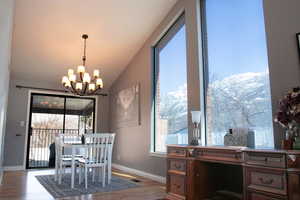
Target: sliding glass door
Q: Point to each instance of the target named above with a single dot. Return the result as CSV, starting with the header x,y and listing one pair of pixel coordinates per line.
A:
x,y
51,115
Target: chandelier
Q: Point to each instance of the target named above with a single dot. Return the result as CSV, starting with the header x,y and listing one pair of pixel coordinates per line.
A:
x,y
83,84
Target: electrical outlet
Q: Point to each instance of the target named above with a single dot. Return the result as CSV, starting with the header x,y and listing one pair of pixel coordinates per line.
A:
x,y
118,157
22,123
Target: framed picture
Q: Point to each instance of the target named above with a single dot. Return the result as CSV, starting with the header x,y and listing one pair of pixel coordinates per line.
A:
x,y
126,106
298,42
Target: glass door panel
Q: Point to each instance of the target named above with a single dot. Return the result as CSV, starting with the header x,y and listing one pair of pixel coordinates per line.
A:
x,y
79,115
47,119
51,115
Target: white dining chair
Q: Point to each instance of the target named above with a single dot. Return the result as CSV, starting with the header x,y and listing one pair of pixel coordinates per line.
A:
x,y
97,155
63,159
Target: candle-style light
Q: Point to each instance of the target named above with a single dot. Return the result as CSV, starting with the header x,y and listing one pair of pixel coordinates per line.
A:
x,y
78,86
70,72
196,136
80,69
96,73
92,86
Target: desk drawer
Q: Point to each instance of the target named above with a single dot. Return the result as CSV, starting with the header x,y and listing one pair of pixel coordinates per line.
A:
x,y
273,181
266,159
260,196
177,165
219,155
177,185
179,152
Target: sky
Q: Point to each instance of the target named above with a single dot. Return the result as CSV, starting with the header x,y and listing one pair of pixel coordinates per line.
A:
x,y
236,43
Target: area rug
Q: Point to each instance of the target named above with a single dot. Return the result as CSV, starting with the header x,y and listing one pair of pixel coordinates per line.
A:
x,y
64,189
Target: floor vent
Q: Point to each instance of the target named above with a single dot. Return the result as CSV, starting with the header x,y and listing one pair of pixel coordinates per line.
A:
x,y
135,180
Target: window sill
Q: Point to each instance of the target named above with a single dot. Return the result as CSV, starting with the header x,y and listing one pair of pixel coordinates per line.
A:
x,y
158,154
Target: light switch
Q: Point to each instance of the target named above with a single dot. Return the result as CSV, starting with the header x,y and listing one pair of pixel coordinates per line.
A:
x,y
22,123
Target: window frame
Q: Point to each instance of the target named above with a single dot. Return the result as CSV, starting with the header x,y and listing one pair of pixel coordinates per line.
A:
x,y
205,73
166,37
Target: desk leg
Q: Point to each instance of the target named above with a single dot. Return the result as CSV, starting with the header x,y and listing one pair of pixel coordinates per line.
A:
x,y
73,168
294,185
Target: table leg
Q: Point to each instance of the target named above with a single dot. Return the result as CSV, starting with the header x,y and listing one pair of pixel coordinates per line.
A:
x,y
56,170
73,167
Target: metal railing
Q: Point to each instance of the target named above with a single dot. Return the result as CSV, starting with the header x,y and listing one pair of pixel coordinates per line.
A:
x,y
40,141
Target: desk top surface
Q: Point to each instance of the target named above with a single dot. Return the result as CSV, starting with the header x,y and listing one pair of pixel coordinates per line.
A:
x,y
236,148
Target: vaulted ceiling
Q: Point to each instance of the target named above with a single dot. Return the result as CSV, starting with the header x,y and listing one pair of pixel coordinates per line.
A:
x,y
47,35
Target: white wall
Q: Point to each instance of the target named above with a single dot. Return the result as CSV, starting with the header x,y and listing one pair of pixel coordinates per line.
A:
x,y
6,21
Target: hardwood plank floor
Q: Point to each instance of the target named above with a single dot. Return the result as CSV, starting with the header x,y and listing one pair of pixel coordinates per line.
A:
x,y
22,185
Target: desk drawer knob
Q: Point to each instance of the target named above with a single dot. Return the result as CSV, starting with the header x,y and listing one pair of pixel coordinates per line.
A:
x,y
177,166
177,186
266,182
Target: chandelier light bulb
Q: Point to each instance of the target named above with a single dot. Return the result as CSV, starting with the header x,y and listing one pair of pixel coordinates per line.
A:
x,y
81,69
96,73
68,84
72,78
92,86
65,80
86,78
99,82
70,72
78,86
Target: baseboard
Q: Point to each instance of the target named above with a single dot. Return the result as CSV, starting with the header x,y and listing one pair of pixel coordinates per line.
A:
x,y
13,168
140,173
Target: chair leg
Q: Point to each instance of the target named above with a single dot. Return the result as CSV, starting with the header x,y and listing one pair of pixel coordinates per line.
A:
x,y
103,176
60,172
56,171
85,177
93,169
109,173
100,174
64,170
80,171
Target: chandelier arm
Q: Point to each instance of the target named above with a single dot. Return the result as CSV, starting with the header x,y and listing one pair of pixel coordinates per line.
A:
x,y
97,89
85,87
73,89
90,93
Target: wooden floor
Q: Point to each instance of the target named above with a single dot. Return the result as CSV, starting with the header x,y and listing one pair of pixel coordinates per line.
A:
x,y
22,185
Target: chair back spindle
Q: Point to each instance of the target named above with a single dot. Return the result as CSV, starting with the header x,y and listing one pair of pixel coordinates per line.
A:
x,y
98,147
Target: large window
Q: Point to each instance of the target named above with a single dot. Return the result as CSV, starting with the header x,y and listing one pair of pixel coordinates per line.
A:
x,y
237,75
170,88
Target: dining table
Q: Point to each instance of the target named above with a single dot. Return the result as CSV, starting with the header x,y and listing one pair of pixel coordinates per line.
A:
x,y
76,149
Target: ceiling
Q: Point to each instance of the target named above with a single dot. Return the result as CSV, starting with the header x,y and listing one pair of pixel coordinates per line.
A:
x,y
47,35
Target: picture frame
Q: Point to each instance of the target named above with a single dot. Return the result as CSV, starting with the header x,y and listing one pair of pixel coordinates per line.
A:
x,y
298,42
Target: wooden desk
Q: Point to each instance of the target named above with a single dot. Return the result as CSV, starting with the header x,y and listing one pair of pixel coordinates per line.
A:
x,y
197,172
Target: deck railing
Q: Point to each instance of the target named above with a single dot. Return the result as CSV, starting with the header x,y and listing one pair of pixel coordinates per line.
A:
x,y
40,141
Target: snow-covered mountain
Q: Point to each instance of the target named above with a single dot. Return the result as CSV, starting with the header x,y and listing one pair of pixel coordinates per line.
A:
x,y
235,101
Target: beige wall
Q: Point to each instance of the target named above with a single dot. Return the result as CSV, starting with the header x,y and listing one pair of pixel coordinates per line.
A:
x,y
282,23
132,147
6,21
16,135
